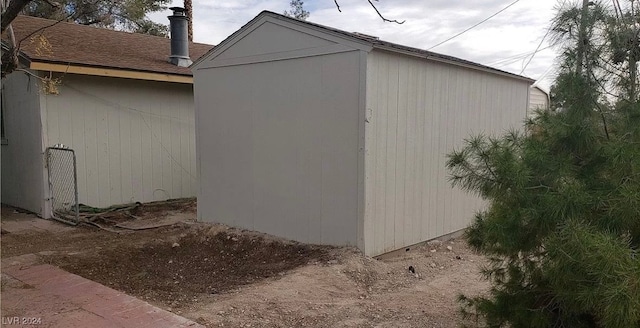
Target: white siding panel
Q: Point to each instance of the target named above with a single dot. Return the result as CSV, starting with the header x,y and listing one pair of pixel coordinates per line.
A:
x,y
22,157
418,112
133,140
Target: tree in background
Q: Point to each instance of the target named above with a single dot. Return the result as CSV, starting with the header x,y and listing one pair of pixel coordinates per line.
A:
x,y
297,10
562,225
188,6
125,15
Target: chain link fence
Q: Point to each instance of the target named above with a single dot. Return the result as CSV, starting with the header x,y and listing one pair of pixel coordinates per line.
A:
x,y
63,183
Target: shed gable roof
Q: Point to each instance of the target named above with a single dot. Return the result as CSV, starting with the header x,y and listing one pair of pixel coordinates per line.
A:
x,y
355,40
74,44
267,37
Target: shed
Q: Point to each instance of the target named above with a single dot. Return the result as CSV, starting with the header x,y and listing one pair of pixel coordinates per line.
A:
x,y
329,137
538,99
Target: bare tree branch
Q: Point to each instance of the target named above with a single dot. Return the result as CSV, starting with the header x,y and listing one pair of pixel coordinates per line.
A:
x,y
17,46
10,58
337,5
384,18
377,12
14,8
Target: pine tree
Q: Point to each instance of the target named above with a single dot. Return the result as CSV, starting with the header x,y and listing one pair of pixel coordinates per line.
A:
x,y
562,225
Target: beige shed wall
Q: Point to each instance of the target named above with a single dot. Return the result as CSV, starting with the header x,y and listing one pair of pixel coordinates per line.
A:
x,y
134,140
22,156
278,144
417,112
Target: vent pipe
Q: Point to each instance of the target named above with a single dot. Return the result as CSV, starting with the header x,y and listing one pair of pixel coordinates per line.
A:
x,y
178,24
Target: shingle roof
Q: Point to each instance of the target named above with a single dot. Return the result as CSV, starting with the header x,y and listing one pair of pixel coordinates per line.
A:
x,y
98,47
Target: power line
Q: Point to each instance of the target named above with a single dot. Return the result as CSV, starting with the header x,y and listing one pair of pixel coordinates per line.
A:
x,y
472,27
512,59
543,75
536,51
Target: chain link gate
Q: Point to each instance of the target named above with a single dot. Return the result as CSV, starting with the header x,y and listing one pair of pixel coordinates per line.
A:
x,y
63,184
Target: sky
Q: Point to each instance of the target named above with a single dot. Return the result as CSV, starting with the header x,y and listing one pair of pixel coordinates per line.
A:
x,y
506,41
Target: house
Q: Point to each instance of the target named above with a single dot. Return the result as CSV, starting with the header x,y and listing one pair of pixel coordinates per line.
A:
x,y
538,99
329,137
114,99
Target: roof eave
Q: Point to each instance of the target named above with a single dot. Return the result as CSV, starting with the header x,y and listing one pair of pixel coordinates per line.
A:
x,y
73,68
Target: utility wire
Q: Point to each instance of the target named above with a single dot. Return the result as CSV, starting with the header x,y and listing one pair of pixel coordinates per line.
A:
x,y
543,75
514,58
536,51
474,26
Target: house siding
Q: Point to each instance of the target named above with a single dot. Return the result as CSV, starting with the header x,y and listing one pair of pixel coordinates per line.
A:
x,y
134,140
417,112
22,156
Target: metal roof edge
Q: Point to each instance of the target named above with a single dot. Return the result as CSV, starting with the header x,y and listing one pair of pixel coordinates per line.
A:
x,y
454,61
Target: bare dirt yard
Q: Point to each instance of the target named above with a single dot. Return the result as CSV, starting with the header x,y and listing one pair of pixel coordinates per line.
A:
x,y
223,277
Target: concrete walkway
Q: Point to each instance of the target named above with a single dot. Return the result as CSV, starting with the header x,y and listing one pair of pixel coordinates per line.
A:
x,y
42,295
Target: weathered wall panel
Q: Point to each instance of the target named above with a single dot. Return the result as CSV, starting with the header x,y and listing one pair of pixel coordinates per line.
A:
x,y
134,140
22,156
278,147
417,112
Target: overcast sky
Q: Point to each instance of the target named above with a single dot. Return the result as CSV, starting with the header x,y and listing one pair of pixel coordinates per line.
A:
x,y
502,42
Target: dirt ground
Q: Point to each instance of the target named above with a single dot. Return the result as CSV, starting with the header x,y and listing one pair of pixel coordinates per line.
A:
x,y
223,277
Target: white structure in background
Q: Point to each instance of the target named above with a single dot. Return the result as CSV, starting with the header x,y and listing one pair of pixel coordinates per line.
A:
x,y
116,101
538,99
330,137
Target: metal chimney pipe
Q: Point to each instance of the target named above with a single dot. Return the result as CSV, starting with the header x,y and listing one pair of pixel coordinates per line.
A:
x,y
178,24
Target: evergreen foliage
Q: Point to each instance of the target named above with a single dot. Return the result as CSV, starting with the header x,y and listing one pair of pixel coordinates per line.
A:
x,y
562,225
125,15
